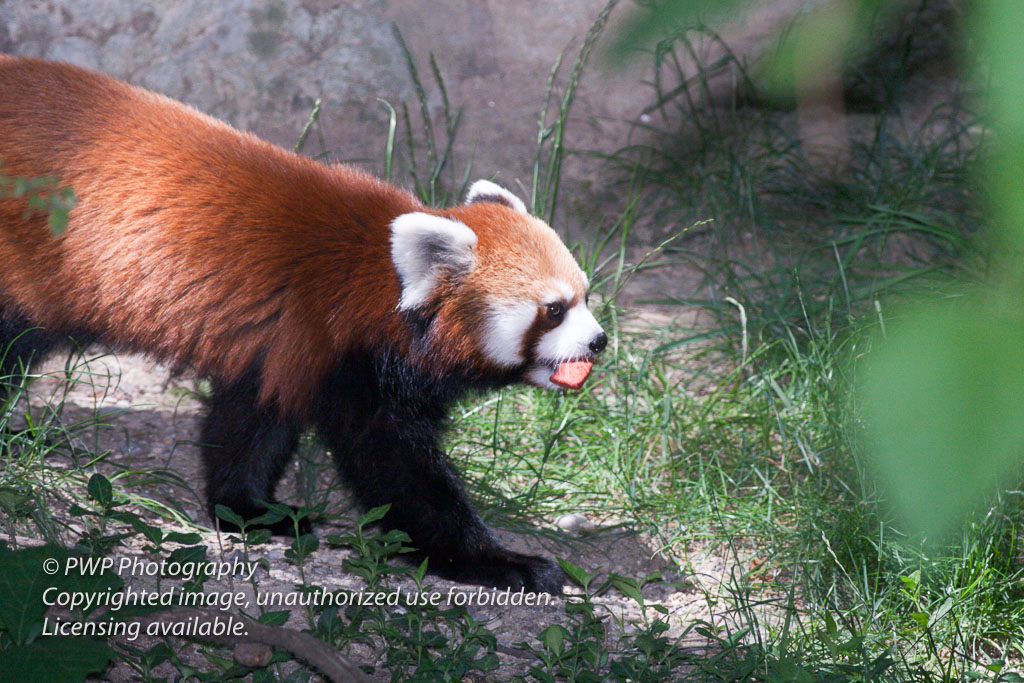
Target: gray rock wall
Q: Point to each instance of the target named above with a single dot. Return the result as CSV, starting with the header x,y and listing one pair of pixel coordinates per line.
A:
x,y
261,64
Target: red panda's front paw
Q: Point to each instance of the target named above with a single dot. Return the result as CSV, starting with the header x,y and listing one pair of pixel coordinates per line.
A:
x,y
505,569
542,575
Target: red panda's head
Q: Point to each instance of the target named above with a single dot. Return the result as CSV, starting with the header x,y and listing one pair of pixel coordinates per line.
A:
x,y
501,290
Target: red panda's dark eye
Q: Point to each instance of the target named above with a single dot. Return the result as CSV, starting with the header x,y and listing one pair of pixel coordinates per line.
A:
x,y
556,311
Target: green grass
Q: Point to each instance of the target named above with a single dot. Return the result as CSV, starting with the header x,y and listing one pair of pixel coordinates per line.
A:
x,y
744,440
46,455
777,225
763,464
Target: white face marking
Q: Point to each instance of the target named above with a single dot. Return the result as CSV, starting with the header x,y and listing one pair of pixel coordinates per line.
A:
x,y
550,296
504,329
571,339
564,289
423,247
540,376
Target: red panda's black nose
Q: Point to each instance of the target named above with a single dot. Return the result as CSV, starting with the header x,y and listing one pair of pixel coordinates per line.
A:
x,y
600,341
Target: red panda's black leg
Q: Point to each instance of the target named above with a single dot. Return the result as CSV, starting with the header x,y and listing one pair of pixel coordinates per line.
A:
x,y
245,449
396,460
21,344
387,449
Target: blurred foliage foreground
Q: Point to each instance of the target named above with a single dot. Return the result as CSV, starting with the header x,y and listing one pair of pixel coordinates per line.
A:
x,y
942,393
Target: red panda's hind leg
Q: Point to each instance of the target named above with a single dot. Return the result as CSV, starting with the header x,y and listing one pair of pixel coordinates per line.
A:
x,y
21,345
245,448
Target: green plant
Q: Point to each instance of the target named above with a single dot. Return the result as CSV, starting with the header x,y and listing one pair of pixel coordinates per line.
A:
x,y
580,651
429,181
29,648
421,641
41,195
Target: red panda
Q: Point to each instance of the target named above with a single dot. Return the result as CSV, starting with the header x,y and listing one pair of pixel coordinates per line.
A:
x,y
311,295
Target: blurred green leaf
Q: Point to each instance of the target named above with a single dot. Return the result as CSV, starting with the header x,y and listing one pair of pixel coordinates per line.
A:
x,y
997,29
812,47
819,45
24,579
655,20
55,659
58,221
944,405
944,395
22,584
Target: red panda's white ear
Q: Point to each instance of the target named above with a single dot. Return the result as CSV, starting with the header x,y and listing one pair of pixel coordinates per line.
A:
x,y
423,247
486,191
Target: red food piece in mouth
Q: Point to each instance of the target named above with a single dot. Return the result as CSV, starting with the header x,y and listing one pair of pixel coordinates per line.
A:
x,y
572,374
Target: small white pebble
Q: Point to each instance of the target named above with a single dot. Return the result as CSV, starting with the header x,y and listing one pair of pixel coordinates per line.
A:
x,y
574,522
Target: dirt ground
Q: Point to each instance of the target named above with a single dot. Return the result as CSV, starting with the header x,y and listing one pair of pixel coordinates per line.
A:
x,y
148,421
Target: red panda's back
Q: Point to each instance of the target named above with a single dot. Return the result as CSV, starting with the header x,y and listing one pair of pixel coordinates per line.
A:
x,y
190,240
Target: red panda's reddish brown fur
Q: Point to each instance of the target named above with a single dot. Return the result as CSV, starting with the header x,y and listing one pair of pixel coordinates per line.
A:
x,y
275,275
191,240
203,245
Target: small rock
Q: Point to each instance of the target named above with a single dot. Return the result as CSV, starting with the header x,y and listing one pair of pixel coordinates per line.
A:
x,y
255,655
575,522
